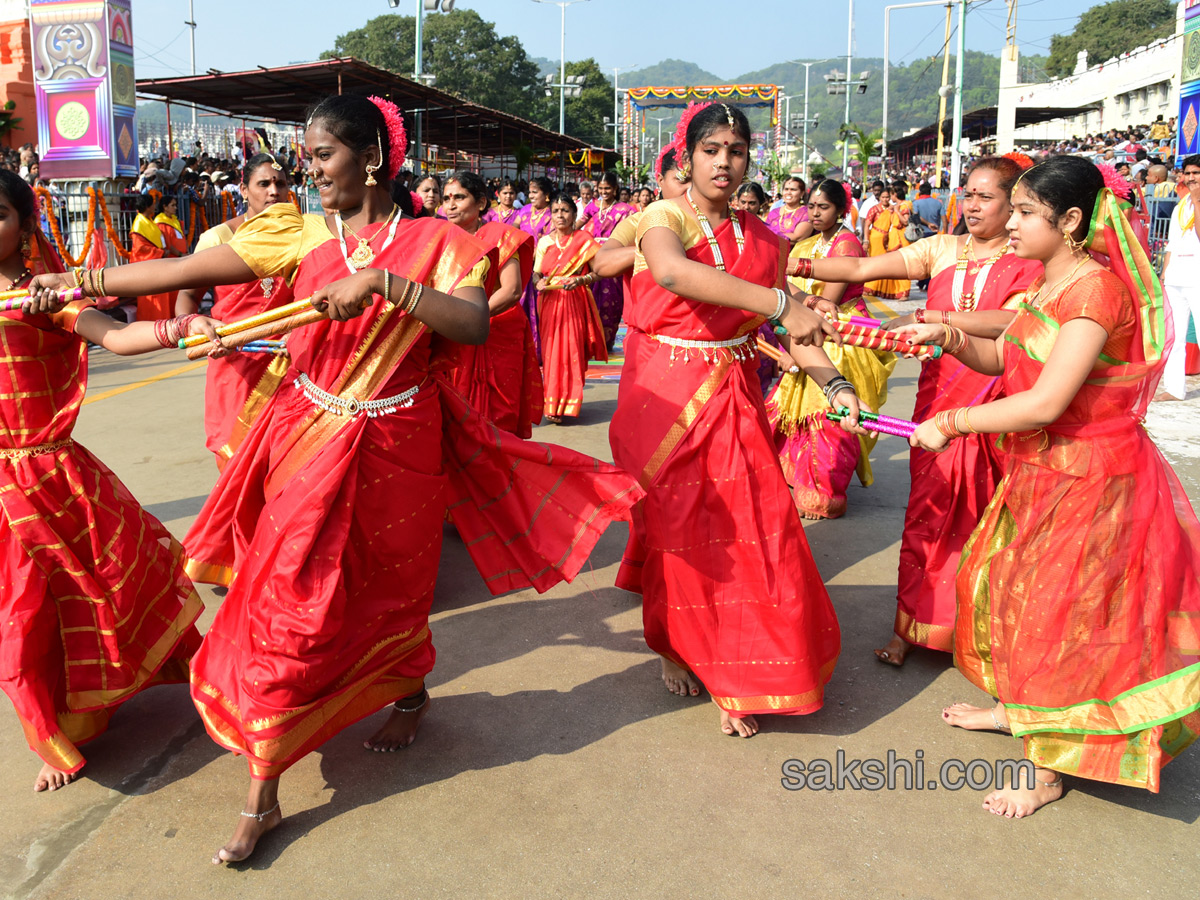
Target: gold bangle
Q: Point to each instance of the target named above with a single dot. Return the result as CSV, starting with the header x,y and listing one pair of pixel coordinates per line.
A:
x,y
967,419
387,287
416,298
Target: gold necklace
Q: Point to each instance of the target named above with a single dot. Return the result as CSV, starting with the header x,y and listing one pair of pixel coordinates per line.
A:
x,y
1036,299
363,255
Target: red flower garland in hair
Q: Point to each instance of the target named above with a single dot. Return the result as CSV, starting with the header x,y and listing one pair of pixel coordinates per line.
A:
x,y
849,194
1020,159
679,142
397,136
1115,182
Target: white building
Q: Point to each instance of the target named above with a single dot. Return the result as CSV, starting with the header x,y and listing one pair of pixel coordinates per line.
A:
x,y
1130,90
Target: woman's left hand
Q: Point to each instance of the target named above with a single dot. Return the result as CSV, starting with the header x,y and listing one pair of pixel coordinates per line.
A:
x,y
849,399
571,283
927,437
922,333
346,298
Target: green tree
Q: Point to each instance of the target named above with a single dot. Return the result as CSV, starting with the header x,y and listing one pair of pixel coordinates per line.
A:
x,y
460,49
1109,30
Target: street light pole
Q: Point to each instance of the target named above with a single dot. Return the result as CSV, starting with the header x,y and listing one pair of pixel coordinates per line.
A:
x,y
956,149
562,69
849,67
659,120
417,73
617,102
191,23
887,14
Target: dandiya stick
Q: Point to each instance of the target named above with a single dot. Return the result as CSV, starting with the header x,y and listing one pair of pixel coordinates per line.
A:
x,y
277,314
10,300
878,339
259,332
902,424
864,322
873,425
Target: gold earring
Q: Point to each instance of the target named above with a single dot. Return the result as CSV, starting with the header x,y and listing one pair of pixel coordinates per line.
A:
x,y
683,173
371,170
1075,245
26,248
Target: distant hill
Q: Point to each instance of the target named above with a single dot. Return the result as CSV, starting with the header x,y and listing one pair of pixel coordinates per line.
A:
x,y
669,73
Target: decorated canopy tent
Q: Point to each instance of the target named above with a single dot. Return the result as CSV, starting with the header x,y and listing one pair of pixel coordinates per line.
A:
x,y
638,100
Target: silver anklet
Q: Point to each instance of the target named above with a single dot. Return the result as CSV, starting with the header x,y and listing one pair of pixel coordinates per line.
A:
x,y
419,706
258,817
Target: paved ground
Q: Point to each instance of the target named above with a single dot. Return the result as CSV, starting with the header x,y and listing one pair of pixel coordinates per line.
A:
x,y
553,764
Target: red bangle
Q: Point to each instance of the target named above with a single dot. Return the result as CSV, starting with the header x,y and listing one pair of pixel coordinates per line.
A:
x,y
919,316
804,267
811,301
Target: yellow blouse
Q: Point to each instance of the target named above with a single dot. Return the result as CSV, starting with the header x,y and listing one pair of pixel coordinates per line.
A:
x,y
275,241
666,214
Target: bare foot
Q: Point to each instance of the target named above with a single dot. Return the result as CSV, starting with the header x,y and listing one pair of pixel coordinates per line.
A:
x,y
51,779
894,652
679,680
1018,802
554,420
746,726
1164,397
974,718
805,514
260,815
400,729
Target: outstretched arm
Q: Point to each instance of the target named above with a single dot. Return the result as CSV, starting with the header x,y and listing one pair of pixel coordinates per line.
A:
x,y
671,268
136,337
859,269
1071,360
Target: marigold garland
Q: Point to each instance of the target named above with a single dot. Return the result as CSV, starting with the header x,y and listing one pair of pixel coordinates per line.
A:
x,y
44,195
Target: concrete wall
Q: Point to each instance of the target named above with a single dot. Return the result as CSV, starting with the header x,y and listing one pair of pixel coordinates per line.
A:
x,y
1131,90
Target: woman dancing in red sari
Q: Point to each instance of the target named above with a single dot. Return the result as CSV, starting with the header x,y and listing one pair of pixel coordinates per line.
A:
x,y
731,596
1080,588
975,283
567,315
331,512
94,602
240,384
499,378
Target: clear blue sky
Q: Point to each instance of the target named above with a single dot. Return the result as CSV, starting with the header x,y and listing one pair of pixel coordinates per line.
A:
x,y
726,37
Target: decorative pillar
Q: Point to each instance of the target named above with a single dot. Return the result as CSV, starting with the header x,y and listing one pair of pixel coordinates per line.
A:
x,y
1188,121
84,88
16,74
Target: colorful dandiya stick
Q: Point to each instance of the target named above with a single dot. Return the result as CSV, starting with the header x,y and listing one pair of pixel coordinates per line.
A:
x,y
10,300
898,427
259,332
864,322
878,339
277,314
870,425
263,347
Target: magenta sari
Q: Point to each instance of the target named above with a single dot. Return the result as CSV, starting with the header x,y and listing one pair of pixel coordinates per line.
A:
x,y
537,223
599,222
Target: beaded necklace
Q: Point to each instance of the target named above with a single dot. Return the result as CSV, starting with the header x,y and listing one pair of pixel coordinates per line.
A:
x,y
962,299
718,259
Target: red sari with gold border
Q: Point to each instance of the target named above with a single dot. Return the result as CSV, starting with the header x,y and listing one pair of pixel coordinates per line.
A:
x,y
949,490
729,586
332,524
239,385
572,332
1080,589
501,378
94,602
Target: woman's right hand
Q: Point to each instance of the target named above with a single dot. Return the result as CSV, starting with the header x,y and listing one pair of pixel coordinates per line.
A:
x,y
541,285
806,327
45,292
922,334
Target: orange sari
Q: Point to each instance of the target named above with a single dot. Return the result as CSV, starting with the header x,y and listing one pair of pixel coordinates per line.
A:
x,y
572,332
729,586
146,241
333,523
501,378
94,602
